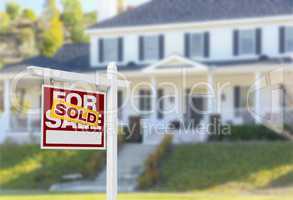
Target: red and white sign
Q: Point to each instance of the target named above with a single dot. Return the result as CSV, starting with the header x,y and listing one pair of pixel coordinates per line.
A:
x,y
73,119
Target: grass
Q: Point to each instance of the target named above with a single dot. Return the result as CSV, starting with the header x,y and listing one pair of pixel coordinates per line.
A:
x,y
155,196
28,167
228,166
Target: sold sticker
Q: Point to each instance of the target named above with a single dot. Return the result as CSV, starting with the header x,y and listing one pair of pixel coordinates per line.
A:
x,y
72,113
73,119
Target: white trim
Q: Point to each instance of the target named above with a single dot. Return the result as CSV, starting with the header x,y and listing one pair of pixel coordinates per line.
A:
x,y
153,68
74,77
284,19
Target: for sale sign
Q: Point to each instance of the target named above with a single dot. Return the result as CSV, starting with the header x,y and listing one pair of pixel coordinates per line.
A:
x,y
73,119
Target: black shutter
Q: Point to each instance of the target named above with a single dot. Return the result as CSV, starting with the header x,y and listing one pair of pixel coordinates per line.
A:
x,y
141,100
206,44
161,46
120,49
282,36
236,43
187,45
160,113
101,50
187,102
236,99
141,48
120,103
258,38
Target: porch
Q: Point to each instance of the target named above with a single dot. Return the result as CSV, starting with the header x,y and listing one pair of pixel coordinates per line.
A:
x,y
176,95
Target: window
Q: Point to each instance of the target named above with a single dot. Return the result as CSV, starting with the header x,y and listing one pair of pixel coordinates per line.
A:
x,y
197,45
240,99
110,49
289,39
151,47
145,100
247,42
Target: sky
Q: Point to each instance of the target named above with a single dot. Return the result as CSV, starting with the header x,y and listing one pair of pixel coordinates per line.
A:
x,y
88,5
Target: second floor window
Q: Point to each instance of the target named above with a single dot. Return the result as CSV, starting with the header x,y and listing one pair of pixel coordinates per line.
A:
x,y
197,45
110,50
289,39
247,42
151,47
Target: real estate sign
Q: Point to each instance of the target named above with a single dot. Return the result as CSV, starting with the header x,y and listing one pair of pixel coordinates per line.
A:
x,y
73,119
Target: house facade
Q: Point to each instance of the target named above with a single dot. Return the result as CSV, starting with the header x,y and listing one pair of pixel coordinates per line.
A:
x,y
187,61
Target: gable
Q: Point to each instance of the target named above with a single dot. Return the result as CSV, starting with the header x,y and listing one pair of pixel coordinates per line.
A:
x,y
175,62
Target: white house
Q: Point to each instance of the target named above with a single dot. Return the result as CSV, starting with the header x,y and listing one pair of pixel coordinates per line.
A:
x,y
186,60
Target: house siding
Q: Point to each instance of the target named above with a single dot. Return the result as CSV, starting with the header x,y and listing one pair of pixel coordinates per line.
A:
x,y
221,41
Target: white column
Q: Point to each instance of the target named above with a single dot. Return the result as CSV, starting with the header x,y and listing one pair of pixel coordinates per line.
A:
x,y
112,130
7,103
154,98
257,100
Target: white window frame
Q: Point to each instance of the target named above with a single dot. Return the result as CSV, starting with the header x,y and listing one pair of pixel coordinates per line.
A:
x,y
146,100
147,49
114,50
241,42
201,43
288,38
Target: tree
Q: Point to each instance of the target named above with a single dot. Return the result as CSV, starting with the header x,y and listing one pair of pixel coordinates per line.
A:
x,y
73,19
53,36
4,22
29,14
13,10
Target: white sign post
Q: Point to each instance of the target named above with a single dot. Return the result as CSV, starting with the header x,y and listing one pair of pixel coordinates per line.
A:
x,y
112,136
111,83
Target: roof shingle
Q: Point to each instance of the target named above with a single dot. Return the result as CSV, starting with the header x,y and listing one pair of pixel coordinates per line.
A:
x,y
182,11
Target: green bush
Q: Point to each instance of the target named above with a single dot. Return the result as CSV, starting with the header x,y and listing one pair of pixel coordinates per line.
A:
x,y
151,175
248,133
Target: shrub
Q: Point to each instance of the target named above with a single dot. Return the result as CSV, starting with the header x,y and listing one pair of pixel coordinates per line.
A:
x,y
248,133
151,175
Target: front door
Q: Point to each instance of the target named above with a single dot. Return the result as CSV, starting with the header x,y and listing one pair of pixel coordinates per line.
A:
x,y
195,110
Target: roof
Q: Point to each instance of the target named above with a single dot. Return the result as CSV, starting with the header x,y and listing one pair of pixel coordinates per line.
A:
x,y
158,12
70,57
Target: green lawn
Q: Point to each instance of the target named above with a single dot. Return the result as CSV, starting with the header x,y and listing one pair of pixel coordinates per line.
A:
x,y
228,166
157,196
29,167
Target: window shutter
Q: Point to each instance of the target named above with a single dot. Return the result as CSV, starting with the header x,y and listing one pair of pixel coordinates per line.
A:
x,y
141,48
161,46
187,45
236,43
282,39
160,112
141,100
187,103
236,99
120,49
101,50
120,103
206,44
258,41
